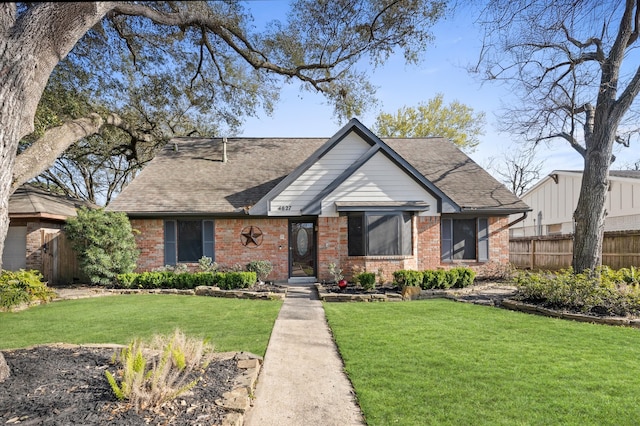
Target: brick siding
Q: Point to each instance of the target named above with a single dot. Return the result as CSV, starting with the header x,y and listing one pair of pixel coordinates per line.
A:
x,y
332,246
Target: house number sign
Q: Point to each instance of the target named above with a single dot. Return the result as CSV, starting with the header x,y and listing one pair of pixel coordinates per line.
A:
x,y
251,236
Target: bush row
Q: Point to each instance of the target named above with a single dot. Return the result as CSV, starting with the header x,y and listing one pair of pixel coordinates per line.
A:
x,y
601,292
18,287
186,280
459,277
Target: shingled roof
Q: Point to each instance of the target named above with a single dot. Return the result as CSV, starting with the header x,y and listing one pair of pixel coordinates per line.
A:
x,y
32,201
189,175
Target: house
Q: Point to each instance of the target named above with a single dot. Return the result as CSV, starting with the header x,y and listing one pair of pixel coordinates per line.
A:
x,y
303,203
35,239
554,199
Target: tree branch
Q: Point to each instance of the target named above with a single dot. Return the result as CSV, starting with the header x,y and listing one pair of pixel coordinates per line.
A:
x,y
43,153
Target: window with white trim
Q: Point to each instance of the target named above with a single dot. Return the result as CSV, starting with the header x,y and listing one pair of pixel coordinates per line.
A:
x,y
465,239
187,241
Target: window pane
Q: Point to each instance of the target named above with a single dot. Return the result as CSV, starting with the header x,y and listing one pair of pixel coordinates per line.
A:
x,y
355,235
464,239
189,240
383,232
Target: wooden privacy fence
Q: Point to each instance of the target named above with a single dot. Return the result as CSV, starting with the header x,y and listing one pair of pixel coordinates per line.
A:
x,y
60,264
619,250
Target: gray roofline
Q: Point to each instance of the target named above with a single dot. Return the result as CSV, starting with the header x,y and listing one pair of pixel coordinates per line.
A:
x,y
444,202
493,211
443,199
262,206
315,206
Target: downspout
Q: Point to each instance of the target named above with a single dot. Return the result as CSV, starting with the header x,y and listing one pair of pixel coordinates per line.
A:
x,y
518,220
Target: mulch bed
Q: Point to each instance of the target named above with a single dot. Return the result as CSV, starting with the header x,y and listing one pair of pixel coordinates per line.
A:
x,y
52,385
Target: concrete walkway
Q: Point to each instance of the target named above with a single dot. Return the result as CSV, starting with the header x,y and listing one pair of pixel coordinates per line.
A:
x,y
302,381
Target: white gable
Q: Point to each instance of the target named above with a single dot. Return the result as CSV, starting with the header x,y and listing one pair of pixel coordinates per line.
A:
x,y
378,180
321,174
554,200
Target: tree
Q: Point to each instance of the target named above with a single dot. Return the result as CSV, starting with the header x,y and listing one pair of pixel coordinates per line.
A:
x,y
518,169
210,48
104,243
574,66
455,121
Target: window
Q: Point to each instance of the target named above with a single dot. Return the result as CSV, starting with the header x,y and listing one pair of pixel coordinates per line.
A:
x,y
379,233
187,240
465,239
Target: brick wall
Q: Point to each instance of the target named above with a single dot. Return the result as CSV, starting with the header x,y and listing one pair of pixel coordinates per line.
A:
x,y
150,242
228,246
331,242
274,248
34,245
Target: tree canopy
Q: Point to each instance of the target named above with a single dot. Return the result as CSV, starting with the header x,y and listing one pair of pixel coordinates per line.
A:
x,y
205,57
455,121
575,70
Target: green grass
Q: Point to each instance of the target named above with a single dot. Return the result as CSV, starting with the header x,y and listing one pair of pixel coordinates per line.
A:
x,y
230,324
440,362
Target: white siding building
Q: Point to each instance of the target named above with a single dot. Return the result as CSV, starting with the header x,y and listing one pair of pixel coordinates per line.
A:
x,y
554,199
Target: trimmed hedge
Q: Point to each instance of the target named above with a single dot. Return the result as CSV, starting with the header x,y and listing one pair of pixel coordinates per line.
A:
x,y
458,277
186,280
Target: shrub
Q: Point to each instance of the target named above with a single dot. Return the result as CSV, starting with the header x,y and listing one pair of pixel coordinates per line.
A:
x,y
367,280
465,277
187,280
104,243
602,292
262,268
234,280
18,287
206,264
407,278
151,374
335,272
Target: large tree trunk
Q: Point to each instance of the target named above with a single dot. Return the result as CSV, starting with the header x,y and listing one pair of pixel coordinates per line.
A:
x,y
590,212
30,47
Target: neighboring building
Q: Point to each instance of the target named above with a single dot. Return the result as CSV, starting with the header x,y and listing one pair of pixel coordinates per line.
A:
x,y
553,201
34,240
302,204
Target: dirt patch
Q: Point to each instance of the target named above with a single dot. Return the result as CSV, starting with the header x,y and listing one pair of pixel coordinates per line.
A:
x,y
52,385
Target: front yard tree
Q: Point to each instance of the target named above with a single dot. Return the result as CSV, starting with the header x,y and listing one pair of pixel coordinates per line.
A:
x,y
211,45
455,121
575,67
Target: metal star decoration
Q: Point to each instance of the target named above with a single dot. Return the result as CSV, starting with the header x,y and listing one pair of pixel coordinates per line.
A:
x,y
251,235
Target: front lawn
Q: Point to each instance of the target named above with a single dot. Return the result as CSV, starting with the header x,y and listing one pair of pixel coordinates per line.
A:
x,y
230,324
445,363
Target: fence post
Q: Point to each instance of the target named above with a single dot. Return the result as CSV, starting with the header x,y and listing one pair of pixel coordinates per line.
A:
x,y
533,254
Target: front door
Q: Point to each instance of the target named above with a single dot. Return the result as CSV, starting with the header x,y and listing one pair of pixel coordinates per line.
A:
x,y
302,248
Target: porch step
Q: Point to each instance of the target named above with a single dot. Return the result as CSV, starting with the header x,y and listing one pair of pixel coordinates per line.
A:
x,y
302,280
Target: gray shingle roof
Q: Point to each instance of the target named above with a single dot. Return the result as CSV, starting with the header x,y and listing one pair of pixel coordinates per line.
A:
x,y
189,177
635,174
29,200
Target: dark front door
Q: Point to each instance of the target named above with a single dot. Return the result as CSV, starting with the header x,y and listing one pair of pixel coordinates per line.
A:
x,y
302,248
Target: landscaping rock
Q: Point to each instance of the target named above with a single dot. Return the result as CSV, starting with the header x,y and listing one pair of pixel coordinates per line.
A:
x,y
5,372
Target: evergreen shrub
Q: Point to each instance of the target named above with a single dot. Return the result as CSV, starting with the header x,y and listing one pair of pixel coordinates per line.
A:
x,y
104,243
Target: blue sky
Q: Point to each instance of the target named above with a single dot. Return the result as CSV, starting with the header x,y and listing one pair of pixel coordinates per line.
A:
x,y
457,43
